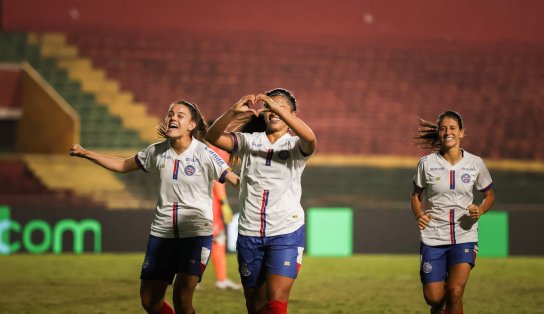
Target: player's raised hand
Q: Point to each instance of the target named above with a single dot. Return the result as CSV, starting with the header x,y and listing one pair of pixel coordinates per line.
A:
x,y
474,211
268,103
423,221
77,150
245,104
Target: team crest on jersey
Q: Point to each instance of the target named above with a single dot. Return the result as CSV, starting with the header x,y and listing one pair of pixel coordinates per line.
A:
x,y
189,170
283,155
244,270
427,267
465,178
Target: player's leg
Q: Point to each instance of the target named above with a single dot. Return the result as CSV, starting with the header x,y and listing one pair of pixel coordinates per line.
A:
x,y
457,280
156,275
435,296
190,259
256,298
183,292
250,266
461,259
279,289
433,273
283,262
152,295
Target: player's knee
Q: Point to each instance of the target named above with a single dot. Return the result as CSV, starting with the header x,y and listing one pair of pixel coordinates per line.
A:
x,y
434,299
455,292
151,307
254,305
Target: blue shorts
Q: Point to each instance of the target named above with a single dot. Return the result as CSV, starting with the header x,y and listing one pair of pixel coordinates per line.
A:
x,y
436,260
167,257
279,255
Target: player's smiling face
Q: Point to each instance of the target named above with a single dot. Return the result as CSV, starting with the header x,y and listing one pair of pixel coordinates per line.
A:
x,y
273,121
450,134
179,121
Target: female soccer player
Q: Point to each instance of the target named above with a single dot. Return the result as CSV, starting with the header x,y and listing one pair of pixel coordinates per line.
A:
x,y
271,224
181,234
442,203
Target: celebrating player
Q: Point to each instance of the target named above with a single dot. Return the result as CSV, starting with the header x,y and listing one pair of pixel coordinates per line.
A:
x,y
181,233
442,202
271,224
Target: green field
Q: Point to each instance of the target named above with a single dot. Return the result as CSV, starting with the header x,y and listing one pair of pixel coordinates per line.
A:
x,y
108,283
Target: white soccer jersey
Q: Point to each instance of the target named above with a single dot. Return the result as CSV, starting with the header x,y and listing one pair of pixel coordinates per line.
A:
x,y
184,207
447,194
270,188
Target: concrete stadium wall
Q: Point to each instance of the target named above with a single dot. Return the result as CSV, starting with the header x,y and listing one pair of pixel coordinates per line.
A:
x,y
453,20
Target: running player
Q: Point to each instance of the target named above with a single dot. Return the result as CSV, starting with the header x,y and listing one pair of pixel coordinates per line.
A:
x,y
271,224
181,233
442,203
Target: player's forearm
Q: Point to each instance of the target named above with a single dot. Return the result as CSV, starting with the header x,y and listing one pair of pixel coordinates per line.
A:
x,y
299,127
232,179
109,162
415,203
487,202
219,126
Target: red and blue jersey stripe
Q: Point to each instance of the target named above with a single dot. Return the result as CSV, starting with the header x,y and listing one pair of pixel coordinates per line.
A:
x,y
176,169
452,179
452,226
264,204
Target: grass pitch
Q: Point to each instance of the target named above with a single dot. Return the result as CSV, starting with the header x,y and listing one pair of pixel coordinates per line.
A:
x,y
108,283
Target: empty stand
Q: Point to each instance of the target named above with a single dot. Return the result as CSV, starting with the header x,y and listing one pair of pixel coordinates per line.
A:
x,y
359,98
20,188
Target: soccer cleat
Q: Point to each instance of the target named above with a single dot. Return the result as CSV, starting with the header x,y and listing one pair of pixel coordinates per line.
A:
x,y
227,284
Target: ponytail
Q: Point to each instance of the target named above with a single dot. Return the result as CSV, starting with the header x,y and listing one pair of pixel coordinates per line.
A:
x,y
427,134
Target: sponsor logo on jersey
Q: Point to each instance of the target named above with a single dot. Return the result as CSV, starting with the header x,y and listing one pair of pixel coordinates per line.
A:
x,y
215,156
166,156
287,263
244,270
468,169
436,168
465,178
189,170
427,267
283,155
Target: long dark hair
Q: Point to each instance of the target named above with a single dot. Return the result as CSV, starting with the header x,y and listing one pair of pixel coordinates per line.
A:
x,y
427,134
196,115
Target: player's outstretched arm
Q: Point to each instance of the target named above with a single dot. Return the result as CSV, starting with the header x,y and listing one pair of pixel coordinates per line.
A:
x,y
109,162
308,142
216,134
